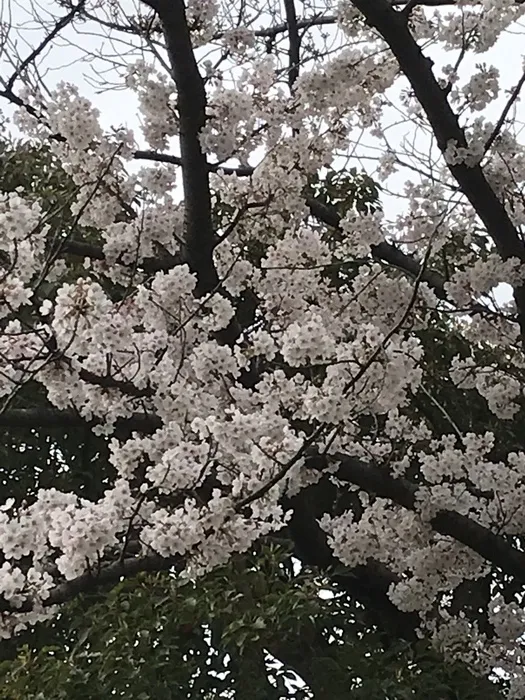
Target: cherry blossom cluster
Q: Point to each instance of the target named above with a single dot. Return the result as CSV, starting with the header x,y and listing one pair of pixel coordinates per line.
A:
x,y
339,353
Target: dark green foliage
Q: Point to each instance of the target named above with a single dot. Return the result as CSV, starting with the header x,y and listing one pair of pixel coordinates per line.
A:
x,y
69,458
155,638
347,190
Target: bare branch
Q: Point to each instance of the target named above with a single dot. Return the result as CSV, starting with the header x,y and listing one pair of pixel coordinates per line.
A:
x,y
60,24
241,171
499,124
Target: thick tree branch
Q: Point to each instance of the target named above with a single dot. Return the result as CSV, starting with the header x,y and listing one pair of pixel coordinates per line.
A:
x,y
294,43
109,574
383,251
191,102
199,234
47,417
368,583
241,171
83,249
390,254
417,68
110,382
305,23
493,548
323,20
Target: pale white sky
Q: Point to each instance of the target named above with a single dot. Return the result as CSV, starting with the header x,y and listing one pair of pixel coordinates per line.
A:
x,y
66,62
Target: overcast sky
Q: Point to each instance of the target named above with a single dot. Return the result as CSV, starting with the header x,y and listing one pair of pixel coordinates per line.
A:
x,y
66,61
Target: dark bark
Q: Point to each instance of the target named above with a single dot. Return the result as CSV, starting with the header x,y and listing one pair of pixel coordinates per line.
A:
x,y
417,68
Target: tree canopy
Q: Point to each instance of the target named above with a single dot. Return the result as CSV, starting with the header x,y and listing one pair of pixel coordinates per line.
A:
x,y
262,351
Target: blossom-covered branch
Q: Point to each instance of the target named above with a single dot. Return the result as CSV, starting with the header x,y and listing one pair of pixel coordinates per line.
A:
x,y
462,157
373,479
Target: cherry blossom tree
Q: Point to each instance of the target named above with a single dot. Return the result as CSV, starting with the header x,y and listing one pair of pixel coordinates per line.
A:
x,y
256,343
261,625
